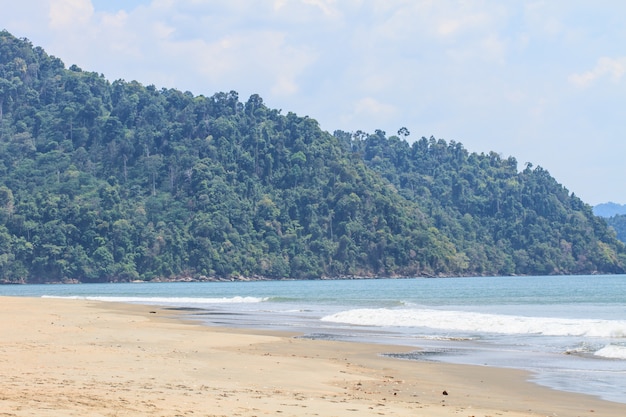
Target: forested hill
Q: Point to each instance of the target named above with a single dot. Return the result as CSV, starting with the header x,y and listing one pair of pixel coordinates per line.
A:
x,y
104,181
618,223
502,220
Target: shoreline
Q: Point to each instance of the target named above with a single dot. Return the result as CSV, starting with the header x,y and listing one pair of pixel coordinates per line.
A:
x,y
253,278
77,357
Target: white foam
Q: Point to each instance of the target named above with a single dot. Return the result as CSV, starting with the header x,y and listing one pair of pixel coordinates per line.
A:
x,y
612,351
480,322
167,300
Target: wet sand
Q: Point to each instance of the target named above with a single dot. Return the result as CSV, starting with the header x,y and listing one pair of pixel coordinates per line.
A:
x,y
84,358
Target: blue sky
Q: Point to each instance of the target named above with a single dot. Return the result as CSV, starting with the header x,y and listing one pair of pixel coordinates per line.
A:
x,y
543,81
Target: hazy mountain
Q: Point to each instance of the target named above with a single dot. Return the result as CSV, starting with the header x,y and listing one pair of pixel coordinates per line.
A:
x,y
609,209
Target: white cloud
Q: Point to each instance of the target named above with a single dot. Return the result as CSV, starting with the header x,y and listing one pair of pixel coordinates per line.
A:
x,y
162,30
543,18
371,108
493,48
64,13
307,11
614,68
455,26
326,6
279,4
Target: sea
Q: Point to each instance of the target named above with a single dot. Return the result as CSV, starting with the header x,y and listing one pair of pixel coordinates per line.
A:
x,y
568,332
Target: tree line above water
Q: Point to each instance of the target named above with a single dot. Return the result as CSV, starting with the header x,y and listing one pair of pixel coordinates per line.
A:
x,y
104,181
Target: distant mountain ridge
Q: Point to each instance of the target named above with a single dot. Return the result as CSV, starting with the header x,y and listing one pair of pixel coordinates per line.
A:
x,y
609,209
115,181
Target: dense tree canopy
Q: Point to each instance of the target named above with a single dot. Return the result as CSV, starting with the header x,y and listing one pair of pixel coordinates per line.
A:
x,y
118,181
618,223
503,221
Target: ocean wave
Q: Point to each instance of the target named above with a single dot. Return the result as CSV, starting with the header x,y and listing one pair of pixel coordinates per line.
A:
x,y
480,322
584,348
166,300
612,352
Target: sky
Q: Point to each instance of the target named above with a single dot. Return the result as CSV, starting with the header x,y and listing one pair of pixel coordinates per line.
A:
x,y
542,81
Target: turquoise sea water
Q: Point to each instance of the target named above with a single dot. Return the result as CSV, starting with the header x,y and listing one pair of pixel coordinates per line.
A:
x,y
569,331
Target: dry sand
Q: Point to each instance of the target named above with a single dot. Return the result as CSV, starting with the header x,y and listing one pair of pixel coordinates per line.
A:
x,y
82,358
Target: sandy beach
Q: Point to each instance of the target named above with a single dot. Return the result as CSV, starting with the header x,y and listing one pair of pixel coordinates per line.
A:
x,y
83,358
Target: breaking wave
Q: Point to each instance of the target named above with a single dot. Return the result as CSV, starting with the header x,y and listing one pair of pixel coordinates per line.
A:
x,y
612,352
480,322
167,300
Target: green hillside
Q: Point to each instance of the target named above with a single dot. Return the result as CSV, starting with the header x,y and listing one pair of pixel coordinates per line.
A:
x,y
504,221
104,181
618,223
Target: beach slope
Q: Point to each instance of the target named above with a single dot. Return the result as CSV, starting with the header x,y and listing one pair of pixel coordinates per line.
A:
x,y
83,358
